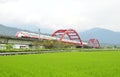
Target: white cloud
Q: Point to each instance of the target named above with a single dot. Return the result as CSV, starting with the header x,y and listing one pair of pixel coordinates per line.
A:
x,y
55,14
6,1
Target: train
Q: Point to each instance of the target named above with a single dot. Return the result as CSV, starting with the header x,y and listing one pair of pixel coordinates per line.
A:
x,y
23,34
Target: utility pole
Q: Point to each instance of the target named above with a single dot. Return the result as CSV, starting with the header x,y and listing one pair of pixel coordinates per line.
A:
x,y
39,33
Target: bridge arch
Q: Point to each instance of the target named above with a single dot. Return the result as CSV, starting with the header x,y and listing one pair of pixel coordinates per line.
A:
x,y
72,35
94,43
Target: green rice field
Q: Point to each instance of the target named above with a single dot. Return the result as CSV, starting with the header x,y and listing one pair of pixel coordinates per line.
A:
x,y
62,64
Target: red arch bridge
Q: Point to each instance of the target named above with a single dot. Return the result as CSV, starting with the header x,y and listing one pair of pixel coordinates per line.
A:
x,y
64,35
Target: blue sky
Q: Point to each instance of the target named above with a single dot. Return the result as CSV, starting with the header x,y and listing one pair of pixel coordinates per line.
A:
x,y
58,14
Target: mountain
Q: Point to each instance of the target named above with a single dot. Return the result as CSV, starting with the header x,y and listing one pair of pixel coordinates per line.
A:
x,y
33,28
11,31
103,35
8,31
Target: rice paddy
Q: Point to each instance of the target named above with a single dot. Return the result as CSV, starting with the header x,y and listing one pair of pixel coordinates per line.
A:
x,y
62,64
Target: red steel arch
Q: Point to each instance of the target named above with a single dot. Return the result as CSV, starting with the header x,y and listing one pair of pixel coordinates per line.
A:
x,y
94,43
72,35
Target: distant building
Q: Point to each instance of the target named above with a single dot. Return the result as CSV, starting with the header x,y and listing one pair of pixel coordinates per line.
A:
x,y
19,46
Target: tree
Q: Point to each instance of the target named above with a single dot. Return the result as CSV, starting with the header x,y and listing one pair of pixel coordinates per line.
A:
x,y
47,43
9,46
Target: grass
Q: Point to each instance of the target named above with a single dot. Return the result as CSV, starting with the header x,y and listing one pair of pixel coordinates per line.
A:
x,y
65,64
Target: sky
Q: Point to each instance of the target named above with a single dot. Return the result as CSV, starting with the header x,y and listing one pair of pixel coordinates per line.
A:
x,y
61,14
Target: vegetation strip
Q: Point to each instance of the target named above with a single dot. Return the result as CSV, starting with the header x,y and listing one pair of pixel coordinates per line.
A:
x,y
22,53
32,52
53,51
